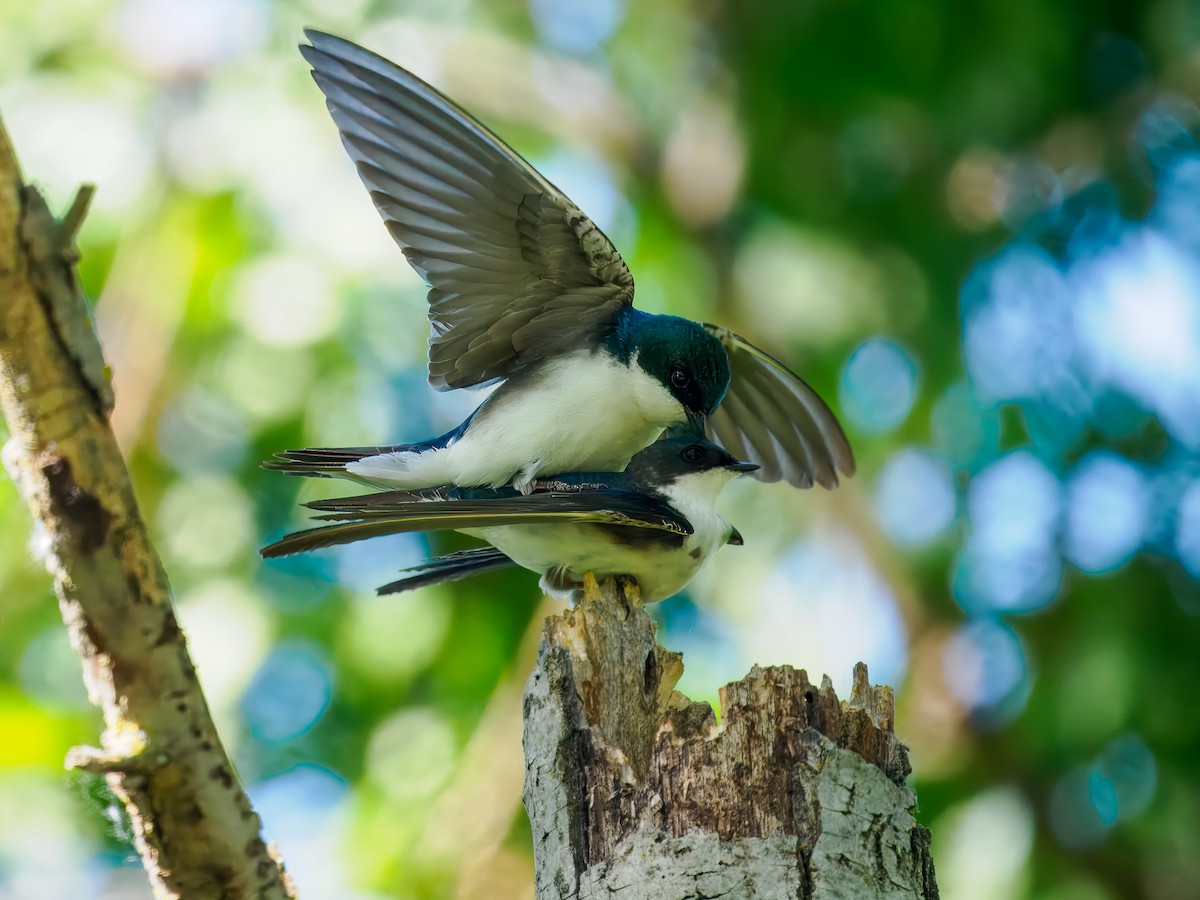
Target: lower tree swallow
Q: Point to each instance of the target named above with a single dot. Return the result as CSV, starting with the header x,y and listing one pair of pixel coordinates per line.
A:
x,y
656,522
525,289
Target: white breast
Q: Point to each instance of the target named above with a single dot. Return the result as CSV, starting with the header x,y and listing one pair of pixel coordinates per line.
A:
x,y
661,571
584,412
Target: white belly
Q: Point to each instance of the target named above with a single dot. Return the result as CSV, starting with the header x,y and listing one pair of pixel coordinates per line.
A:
x,y
582,413
660,570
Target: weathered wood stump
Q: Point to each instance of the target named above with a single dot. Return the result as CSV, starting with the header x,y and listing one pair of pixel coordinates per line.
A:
x,y
632,788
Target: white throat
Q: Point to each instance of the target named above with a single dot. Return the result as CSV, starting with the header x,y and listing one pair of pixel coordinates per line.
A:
x,y
696,495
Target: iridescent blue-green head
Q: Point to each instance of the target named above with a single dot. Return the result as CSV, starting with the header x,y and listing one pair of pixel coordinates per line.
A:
x,y
680,355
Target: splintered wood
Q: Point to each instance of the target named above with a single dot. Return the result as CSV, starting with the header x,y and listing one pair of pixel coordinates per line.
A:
x,y
631,787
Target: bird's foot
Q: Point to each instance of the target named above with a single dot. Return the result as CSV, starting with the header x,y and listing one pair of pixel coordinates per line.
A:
x,y
556,585
523,480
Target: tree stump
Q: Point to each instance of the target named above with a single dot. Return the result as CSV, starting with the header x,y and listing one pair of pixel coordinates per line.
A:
x,y
632,788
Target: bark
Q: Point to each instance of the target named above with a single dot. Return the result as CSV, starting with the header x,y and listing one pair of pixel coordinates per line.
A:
x,y
635,792
193,826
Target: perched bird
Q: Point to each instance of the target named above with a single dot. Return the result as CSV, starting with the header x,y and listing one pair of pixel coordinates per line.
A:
x,y
524,289
656,522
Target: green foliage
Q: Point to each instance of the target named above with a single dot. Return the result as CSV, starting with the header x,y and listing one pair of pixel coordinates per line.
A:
x,y
849,184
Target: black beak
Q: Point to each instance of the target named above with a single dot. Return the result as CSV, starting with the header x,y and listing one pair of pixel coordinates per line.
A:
x,y
735,537
743,467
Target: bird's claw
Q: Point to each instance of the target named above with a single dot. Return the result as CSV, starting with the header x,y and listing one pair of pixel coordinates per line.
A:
x,y
523,481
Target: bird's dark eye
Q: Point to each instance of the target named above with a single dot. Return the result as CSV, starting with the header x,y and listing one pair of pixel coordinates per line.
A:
x,y
679,378
693,454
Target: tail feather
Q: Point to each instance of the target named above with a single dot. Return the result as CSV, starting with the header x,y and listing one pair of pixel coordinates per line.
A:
x,y
451,567
366,506
333,535
321,462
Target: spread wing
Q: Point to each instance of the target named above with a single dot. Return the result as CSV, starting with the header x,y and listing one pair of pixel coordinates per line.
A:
x,y
516,272
393,512
771,417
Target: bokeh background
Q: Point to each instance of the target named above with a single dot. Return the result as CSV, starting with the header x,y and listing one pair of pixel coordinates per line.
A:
x,y
975,227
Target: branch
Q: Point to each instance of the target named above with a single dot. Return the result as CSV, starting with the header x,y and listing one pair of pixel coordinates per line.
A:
x,y
633,789
193,826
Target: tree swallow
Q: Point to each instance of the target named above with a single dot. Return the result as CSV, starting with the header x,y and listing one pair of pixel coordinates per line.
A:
x,y
656,522
525,290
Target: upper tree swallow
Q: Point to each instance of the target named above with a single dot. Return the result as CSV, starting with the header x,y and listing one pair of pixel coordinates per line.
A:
x,y
524,289
656,522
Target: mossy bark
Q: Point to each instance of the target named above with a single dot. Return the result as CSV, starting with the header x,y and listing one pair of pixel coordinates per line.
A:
x,y
192,823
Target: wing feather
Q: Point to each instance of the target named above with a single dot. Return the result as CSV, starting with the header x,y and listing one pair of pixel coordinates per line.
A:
x,y
395,512
771,417
503,252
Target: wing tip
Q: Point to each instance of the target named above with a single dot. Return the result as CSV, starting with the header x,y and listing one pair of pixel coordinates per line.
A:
x,y
276,550
827,476
313,49
840,458
316,37
323,45
836,466
848,466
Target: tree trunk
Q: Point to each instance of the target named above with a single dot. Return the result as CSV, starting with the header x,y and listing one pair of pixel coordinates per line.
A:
x,y
192,824
635,792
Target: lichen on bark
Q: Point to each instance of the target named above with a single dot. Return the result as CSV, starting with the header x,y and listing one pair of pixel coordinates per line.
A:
x,y
634,791
160,753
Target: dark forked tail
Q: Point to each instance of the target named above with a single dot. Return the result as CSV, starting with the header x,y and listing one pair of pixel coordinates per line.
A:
x,y
323,462
450,567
